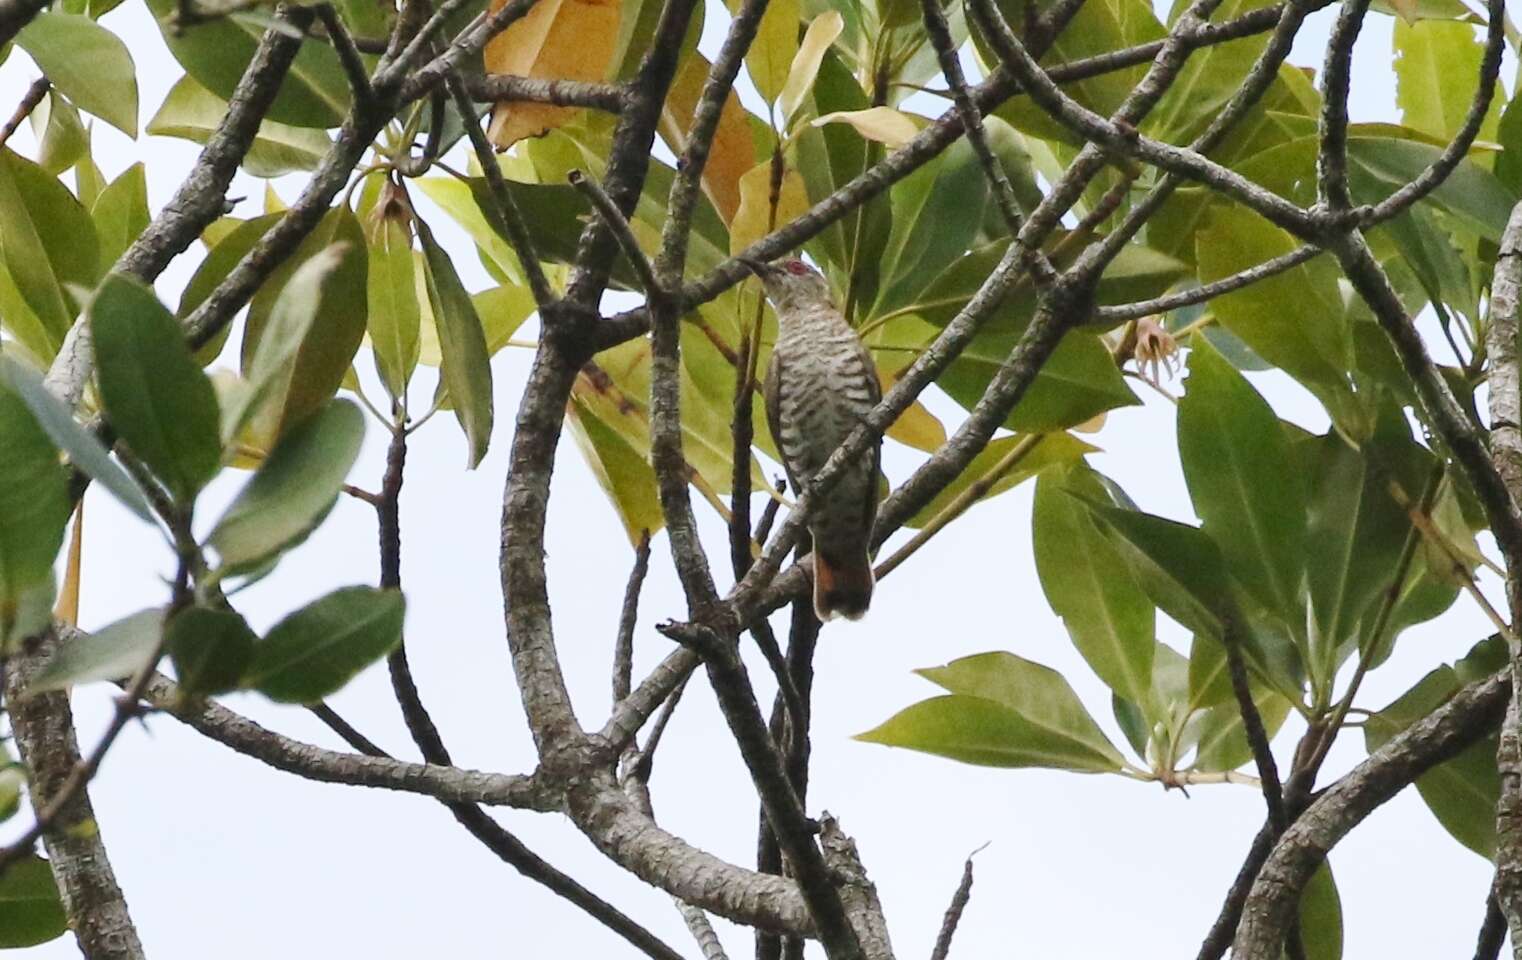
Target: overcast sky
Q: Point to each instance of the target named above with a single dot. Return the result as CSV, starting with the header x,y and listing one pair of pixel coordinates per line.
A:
x,y
221,856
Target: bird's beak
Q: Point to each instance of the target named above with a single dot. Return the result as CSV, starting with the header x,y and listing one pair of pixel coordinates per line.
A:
x,y
760,268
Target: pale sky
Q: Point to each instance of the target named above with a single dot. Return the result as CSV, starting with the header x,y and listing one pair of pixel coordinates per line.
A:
x,y
222,856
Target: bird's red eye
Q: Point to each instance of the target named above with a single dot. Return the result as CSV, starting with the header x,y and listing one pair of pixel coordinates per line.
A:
x,y
797,267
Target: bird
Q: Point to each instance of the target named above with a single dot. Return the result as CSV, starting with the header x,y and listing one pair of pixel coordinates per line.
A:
x,y
820,384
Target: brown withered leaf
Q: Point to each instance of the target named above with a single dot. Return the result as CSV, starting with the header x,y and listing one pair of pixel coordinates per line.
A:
x,y
557,39
733,151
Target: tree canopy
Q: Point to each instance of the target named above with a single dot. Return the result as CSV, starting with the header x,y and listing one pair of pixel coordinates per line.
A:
x,y
1030,213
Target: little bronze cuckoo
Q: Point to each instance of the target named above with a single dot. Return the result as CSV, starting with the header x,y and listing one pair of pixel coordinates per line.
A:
x,y
820,385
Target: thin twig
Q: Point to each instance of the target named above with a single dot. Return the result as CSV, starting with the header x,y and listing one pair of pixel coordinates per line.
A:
x,y
1109,316
623,645
1492,931
1257,737
615,221
29,102
794,830
504,207
348,54
954,912
346,731
972,122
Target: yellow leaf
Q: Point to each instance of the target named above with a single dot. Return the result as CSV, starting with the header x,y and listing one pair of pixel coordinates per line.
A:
x,y
800,77
556,39
771,54
272,201
916,427
733,150
883,124
755,218
1094,424
67,607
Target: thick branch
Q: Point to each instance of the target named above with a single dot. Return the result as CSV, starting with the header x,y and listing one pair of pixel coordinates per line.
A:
x,y
43,726
1472,713
1506,450
790,825
330,766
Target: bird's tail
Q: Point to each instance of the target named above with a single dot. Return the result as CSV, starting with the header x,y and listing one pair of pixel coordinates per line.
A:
x,y
843,583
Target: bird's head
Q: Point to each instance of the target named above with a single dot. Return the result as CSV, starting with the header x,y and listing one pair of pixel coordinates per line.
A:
x,y
791,284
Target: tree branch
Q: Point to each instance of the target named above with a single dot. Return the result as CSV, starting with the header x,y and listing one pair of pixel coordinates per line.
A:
x,y
200,197
953,916
43,726
1506,451
504,208
1471,714
791,826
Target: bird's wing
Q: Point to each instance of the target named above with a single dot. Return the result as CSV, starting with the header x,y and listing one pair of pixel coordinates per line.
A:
x,y
772,392
875,391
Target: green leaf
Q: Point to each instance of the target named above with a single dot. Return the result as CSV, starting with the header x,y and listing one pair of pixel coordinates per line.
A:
x,y
34,510
771,54
930,229
1208,79
1355,534
1078,382
30,909
1382,165
47,242
225,252
978,731
319,648
1108,616
114,652
394,314
624,475
1321,916
159,401
335,290
87,63
1222,741
1209,673
1178,566
1461,792
291,492
210,649
1436,62
121,213
84,450
191,112
466,366
1031,704
299,342
1243,483
1049,449
62,139
1295,319
216,53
